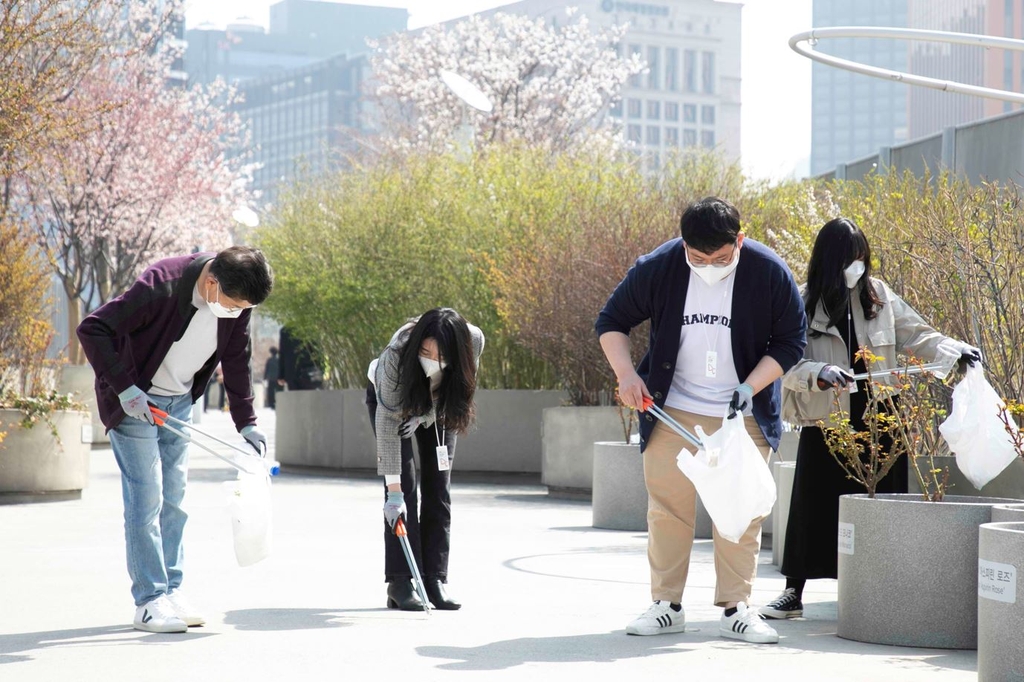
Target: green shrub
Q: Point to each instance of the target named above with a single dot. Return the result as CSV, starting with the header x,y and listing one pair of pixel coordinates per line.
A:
x,y
526,244
955,252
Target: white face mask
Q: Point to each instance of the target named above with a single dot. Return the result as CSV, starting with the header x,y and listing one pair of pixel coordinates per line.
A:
x,y
220,311
431,367
712,274
853,273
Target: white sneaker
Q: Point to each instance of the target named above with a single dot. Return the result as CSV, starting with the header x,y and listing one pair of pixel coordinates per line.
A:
x,y
659,619
157,615
746,624
184,609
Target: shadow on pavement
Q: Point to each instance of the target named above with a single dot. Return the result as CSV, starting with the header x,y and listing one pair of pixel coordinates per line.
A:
x,y
605,647
272,620
11,646
815,633
539,498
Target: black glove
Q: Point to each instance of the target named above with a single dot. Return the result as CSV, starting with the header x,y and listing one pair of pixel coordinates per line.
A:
x,y
832,376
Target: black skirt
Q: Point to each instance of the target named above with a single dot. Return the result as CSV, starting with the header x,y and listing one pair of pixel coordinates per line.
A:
x,y
813,526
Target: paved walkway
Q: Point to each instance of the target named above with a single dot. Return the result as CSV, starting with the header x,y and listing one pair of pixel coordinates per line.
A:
x,y
547,597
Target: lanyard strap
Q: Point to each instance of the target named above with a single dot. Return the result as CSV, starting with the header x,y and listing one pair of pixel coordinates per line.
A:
x,y
440,435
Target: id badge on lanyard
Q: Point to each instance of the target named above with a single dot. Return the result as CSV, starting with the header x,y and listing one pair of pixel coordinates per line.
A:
x,y
443,463
711,364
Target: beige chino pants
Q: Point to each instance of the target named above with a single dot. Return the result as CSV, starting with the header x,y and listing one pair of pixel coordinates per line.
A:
x,y
672,510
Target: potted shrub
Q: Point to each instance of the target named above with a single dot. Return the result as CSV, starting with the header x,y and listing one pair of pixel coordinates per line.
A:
x,y
42,453
580,235
908,563
41,449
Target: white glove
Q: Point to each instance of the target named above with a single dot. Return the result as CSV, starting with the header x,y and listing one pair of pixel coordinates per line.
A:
x,y
409,426
256,438
135,403
394,507
968,353
833,376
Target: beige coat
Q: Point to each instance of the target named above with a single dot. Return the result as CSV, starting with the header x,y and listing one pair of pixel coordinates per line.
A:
x,y
897,329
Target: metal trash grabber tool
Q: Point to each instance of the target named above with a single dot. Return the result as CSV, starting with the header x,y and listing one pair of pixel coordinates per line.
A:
x,y
417,580
940,368
671,423
270,467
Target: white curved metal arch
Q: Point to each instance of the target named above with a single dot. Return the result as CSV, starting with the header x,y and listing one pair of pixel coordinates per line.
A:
x,y
814,35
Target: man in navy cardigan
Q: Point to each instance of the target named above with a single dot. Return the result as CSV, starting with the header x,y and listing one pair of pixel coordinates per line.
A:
x,y
158,344
727,321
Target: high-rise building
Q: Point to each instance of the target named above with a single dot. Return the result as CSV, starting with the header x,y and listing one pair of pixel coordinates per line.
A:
x,y
303,120
933,110
853,115
301,80
301,32
691,95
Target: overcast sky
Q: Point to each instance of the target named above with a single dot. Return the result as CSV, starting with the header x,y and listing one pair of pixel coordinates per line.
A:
x,y
776,94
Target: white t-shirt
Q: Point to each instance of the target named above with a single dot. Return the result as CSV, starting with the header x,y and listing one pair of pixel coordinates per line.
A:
x,y
188,354
706,329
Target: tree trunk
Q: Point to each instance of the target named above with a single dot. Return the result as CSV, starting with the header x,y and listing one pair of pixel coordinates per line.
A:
x,y
102,271
75,354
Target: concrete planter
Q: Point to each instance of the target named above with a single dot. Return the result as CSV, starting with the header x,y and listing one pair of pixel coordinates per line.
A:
x,y
620,495
1000,602
80,381
908,569
311,428
1010,483
1005,513
788,445
331,429
784,474
32,465
567,445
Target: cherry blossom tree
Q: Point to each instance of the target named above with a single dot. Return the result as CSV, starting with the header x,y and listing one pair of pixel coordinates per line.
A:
x,y
550,86
158,171
46,48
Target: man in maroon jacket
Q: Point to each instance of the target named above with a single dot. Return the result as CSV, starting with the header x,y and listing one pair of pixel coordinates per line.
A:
x,y
158,344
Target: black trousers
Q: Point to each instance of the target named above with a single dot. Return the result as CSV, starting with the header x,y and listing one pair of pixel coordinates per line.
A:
x,y
429,519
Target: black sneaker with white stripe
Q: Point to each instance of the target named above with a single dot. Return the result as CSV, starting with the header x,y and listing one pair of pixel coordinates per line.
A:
x,y
786,605
659,619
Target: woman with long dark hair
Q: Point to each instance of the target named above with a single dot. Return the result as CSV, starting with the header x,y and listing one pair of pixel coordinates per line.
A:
x,y
422,387
846,309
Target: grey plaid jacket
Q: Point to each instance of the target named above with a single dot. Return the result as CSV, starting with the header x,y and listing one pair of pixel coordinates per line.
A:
x,y
389,417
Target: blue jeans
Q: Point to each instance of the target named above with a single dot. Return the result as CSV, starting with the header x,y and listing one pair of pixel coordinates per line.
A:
x,y
154,471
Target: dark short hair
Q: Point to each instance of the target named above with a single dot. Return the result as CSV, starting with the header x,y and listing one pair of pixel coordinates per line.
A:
x,y
709,224
243,274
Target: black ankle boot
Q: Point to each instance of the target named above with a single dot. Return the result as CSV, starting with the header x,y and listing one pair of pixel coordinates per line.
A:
x,y
438,596
402,595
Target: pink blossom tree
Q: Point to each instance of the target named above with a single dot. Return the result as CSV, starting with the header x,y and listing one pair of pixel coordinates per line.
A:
x,y
158,171
550,86
47,48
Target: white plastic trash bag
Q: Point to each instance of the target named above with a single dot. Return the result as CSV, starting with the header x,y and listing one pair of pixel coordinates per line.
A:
x,y
975,432
249,504
731,477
